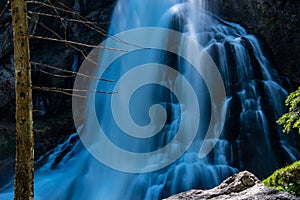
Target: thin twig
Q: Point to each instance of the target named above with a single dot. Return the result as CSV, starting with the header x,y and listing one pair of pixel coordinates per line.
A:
x,y
46,27
61,19
56,75
45,89
67,19
70,90
71,72
98,29
4,8
77,49
51,6
77,43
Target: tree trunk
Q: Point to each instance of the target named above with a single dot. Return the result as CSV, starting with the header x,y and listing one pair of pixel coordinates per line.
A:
x,y
24,173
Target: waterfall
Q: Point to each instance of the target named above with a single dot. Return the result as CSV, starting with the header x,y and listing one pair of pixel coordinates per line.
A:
x,y
250,138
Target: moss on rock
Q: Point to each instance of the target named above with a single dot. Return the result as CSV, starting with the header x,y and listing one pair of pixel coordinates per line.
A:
x,y
286,179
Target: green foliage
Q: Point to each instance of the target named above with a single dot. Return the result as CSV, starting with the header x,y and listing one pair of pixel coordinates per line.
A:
x,y
286,179
291,119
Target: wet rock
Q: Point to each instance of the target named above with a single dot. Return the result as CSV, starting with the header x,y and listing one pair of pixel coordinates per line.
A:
x,y
275,22
7,92
7,147
53,119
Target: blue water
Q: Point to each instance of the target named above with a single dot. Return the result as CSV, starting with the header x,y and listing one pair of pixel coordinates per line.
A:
x,y
254,98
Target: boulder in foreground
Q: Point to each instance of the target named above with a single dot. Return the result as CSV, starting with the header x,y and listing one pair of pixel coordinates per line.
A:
x,y
241,186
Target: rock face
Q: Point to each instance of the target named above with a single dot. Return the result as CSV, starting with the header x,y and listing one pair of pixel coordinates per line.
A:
x,y
275,22
241,186
53,119
7,147
7,85
52,53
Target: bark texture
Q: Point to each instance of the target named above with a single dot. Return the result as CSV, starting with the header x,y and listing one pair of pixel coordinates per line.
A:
x,y
24,125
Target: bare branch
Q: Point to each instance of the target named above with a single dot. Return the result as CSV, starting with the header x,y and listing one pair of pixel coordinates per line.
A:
x,y
67,90
56,75
97,29
51,6
46,27
79,16
71,72
45,89
68,19
4,8
76,43
62,21
37,111
77,49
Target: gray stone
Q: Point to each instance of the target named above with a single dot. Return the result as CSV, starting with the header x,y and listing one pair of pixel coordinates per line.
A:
x,y
241,186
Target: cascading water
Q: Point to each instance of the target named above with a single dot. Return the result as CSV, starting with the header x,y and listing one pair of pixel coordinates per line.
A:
x,y
250,139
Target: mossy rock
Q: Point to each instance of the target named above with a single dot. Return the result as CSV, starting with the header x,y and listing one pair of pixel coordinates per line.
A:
x,y
286,179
